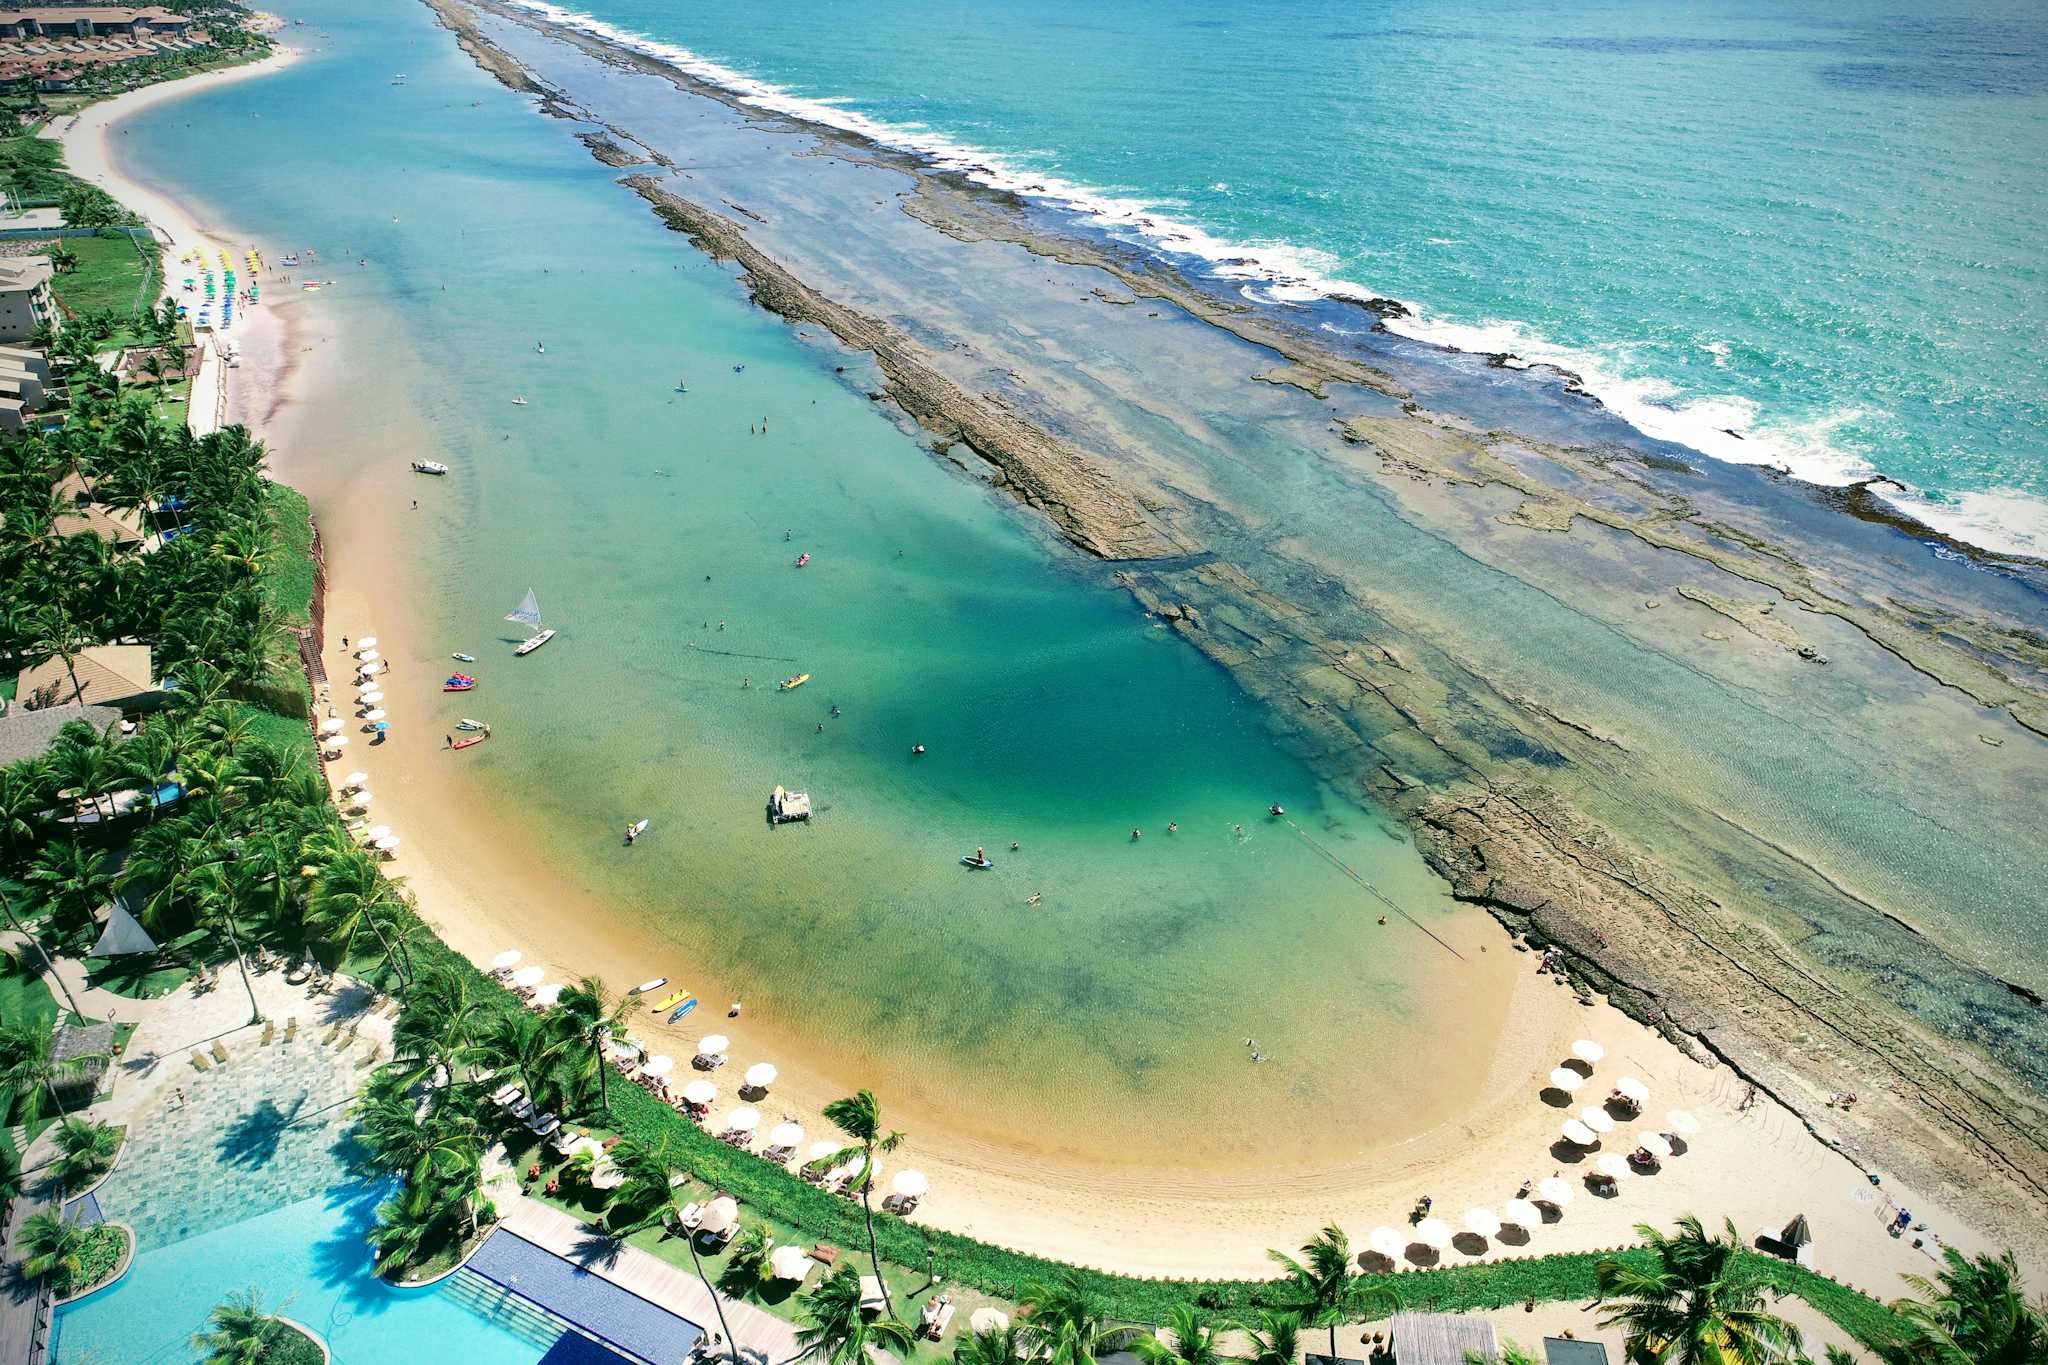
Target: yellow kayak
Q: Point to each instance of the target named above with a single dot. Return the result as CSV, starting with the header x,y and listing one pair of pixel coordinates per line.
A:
x,y
798,681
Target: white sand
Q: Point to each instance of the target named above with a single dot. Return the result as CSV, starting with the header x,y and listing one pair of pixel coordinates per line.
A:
x,y
1759,1166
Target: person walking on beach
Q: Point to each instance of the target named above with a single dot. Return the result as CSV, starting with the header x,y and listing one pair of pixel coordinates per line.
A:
x,y
450,740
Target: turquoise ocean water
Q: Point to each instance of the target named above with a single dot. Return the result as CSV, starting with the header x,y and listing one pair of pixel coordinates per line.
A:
x,y
660,533
1815,225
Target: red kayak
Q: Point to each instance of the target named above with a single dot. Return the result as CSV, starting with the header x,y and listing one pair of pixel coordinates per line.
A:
x,y
473,739
803,559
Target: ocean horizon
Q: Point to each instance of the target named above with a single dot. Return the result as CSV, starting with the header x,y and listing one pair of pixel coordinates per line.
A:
x,y
1858,302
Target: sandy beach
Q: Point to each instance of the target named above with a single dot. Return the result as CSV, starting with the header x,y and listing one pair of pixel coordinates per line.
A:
x,y
1752,1160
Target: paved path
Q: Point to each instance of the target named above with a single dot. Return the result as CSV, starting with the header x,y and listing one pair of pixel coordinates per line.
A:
x,y
761,1335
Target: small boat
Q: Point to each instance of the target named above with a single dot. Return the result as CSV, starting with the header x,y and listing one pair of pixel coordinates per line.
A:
x,y
682,387
464,658
467,724
458,683
540,348
519,402
466,742
647,987
527,613
429,467
689,1003
798,681
669,1001
786,807
801,559
532,643
978,864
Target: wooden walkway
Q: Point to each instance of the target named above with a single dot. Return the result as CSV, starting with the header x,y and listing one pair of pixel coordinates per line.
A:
x,y
761,1335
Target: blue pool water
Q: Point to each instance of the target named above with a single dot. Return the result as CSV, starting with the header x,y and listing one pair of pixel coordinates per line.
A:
x,y
1809,222
310,1262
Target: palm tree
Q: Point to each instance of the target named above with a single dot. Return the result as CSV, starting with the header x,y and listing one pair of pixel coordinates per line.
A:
x,y
832,1323
732,1345
439,1033
1003,1345
442,1151
52,636
29,1069
1275,1336
1697,1304
75,881
242,1332
53,1247
1321,1289
520,1048
346,892
84,1151
748,1258
1069,1325
590,1014
406,1224
1973,1312
859,1116
1193,1334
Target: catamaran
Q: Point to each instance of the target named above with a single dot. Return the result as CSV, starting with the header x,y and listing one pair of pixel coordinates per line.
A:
x,y
527,613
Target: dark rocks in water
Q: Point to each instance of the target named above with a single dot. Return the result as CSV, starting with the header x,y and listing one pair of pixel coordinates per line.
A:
x,y
1812,655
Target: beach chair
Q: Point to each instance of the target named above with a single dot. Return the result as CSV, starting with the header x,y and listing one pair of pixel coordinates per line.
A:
x,y
825,1254
291,1028
269,1031
220,1054
692,1214
199,1062
871,1300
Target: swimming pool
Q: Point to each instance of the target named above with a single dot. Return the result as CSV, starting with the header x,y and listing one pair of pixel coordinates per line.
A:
x,y
309,1260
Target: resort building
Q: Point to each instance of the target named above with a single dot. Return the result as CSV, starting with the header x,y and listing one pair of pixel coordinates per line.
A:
x,y
117,676
91,22
25,302
29,734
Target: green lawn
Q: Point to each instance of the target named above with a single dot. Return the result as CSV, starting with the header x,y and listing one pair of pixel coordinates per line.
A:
x,y
24,998
288,577
110,274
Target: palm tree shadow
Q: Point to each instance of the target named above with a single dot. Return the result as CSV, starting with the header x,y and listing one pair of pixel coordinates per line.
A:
x,y
252,1140
596,1249
343,1258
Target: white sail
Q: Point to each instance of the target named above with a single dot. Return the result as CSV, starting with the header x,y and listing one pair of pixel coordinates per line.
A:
x,y
527,613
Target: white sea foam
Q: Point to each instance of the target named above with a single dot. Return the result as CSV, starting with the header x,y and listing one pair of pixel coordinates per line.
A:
x,y
1279,272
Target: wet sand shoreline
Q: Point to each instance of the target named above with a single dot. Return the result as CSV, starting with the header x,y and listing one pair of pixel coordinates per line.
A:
x,y
1515,854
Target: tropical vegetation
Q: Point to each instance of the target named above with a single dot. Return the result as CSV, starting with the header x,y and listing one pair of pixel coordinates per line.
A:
x,y
72,1257
240,1332
1696,1301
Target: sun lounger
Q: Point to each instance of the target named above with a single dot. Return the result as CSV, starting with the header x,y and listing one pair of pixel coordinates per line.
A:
x,y
824,1253
937,1317
691,1215
547,1125
871,1300
220,1054
269,1031
199,1062
291,1028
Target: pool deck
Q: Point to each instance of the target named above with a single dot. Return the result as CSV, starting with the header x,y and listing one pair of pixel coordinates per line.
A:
x,y
761,1335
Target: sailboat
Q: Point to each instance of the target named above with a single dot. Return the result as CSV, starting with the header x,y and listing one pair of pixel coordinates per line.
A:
x,y
527,613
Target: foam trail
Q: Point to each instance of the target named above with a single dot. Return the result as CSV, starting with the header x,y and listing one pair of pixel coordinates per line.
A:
x,y
1280,273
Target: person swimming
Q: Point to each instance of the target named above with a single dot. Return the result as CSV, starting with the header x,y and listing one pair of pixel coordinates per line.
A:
x,y
917,748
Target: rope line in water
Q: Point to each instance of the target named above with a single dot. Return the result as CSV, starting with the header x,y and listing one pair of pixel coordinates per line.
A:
x,y
1352,873
736,654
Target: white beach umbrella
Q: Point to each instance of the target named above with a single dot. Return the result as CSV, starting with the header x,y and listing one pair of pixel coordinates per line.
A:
x,y
910,1184
509,958
659,1066
820,1150
378,832
1586,1050
722,1214
786,1135
1580,1134
387,844
1632,1089
1596,1118
370,669
529,976
336,741
789,1262
1387,1242
1682,1122
760,1075
744,1119
1612,1164
371,696
546,996
367,642
1566,1079
989,1320
1434,1233
328,727
700,1092
368,656
1485,1222
354,780
1656,1144
713,1046
374,713
1521,1213
1555,1190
